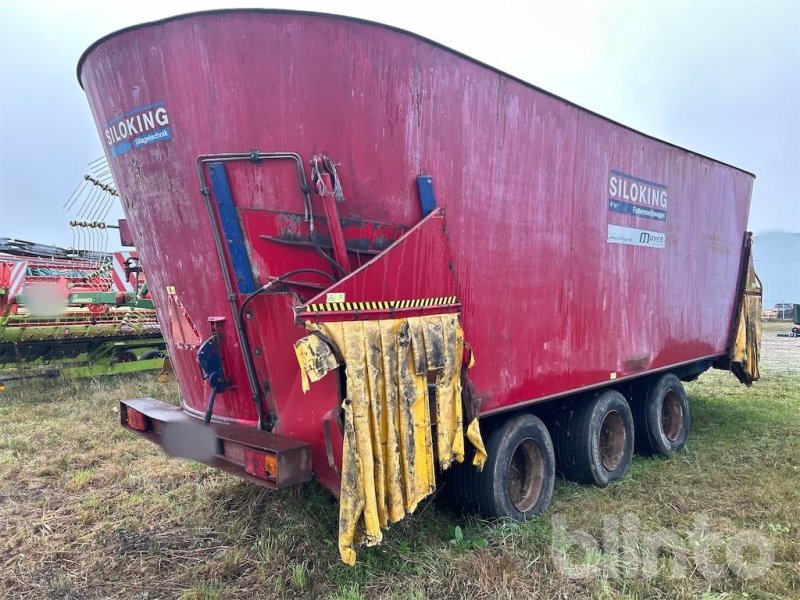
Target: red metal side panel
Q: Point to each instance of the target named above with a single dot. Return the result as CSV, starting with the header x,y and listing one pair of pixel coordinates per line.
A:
x,y
640,308
549,303
416,267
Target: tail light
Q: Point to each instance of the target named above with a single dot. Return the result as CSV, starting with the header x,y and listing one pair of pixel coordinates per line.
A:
x,y
137,420
263,465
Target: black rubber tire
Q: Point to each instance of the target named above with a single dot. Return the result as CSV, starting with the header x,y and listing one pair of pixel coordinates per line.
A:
x,y
594,439
662,417
520,445
124,356
151,354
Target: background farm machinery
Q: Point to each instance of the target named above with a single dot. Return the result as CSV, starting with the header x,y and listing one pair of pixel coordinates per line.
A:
x,y
78,312
87,315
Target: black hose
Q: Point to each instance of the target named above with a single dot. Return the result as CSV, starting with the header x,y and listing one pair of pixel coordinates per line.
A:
x,y
283,277
337,268
260,290
333,262
210,408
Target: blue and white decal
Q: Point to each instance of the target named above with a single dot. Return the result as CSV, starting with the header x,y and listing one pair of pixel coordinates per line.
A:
x,y
629,208
637,191
631,199
138,127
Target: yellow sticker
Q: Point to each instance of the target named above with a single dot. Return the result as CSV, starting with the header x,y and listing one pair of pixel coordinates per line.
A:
x,y
612,375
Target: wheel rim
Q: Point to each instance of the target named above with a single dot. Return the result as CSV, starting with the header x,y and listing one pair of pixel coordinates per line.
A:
x,y
526,472
612,441
671,416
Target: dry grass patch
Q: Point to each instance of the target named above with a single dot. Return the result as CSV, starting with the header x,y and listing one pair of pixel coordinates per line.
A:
x,y
88,510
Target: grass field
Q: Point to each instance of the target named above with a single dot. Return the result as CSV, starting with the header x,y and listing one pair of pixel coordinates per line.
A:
x,y
88,510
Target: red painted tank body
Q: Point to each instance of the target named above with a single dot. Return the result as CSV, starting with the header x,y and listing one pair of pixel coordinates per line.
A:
x,y
582,251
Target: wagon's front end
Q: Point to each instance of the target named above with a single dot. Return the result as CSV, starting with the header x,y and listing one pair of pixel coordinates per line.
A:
x,y
313,325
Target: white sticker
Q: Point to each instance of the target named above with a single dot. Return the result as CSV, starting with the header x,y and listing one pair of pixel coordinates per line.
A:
x,y
631,236
335,298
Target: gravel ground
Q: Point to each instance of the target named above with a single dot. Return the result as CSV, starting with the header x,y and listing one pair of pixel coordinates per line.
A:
x,y
779,355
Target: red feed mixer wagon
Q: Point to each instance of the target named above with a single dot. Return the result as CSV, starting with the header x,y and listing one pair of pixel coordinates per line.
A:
x,y
375,258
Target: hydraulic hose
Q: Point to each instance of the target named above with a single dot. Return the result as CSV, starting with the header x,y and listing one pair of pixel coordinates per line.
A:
x,y
336,266
283,277
260,290
210,407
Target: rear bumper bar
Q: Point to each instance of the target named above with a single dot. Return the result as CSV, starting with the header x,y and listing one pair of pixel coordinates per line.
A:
x,y
225,446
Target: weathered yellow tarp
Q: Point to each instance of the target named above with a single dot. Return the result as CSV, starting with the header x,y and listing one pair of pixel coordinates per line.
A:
x,y
388,453
317,359
747,346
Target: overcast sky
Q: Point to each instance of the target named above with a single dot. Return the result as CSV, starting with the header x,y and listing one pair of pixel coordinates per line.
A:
x,y
718,77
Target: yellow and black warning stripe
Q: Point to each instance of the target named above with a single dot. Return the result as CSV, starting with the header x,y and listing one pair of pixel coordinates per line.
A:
x,y
382,305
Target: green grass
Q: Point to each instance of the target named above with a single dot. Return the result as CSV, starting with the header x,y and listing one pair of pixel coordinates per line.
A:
x,y
88,510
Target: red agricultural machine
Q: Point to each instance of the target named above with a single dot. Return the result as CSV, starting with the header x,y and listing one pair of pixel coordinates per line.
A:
x,y
371,254
76,313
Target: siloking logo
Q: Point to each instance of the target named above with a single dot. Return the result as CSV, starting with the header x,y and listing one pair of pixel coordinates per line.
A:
x,y
138,127
635,203
635,196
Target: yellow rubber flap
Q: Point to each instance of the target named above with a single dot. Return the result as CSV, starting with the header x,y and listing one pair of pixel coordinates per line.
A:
x,y
388,451
474,436
315,357
747,345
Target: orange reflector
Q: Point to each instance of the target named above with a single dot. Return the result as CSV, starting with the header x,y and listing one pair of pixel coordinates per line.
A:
x,y
137,420
261,464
